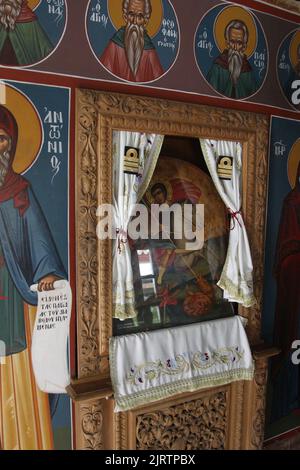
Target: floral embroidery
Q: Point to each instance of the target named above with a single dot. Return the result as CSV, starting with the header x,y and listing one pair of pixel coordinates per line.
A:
x,y
199,360
153,370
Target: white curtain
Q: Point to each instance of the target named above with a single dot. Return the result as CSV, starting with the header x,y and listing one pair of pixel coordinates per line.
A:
x,y
237,275
128,189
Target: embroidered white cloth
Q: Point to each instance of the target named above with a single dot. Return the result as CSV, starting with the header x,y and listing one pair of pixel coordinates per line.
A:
x,y
50,338
147,367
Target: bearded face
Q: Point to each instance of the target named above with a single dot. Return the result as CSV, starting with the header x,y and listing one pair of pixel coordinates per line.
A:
x,y
136,20
134,45
235,62
236,47
9,12
5,147
4,166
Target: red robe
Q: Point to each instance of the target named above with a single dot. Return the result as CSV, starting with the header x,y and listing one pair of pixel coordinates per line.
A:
x,y
287,273
14,186
115,60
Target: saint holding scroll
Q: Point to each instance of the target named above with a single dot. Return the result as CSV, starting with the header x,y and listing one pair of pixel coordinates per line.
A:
x,y
28,255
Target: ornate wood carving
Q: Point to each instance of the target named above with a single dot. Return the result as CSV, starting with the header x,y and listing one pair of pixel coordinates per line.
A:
x,y
89,420
91,287
254,400
291,5
235,421
98,114
122,434
258,429
192,425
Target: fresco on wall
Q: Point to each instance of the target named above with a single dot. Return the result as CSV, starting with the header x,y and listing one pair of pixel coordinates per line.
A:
x,y
281,317
231,51
34,159
135,40
288,68
30,30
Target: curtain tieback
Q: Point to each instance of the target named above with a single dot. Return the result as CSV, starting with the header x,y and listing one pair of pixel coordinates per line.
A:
x,y
122,239
234,217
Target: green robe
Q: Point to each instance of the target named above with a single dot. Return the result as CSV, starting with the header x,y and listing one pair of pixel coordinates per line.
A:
x,y
219,78
12,323
28,41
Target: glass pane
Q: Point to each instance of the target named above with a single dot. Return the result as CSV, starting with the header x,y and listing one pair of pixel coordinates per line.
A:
x,y
175,285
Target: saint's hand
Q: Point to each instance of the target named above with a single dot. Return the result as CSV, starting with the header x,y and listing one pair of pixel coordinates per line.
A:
x,y
47,282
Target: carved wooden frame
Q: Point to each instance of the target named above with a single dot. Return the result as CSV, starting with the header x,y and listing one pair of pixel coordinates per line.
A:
x,y
97,115
290,5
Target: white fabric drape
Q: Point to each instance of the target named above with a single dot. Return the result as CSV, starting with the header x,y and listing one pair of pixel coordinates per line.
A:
x,y
127,191
237,275
147,367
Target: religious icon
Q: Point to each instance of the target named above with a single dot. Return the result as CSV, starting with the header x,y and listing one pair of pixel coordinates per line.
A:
x,y
29,255
287,275
231,51
281,317
175,285
135,40
288,68
29,30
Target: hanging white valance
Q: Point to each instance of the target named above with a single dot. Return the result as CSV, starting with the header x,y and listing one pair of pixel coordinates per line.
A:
x,y
151,366
237,275
128,189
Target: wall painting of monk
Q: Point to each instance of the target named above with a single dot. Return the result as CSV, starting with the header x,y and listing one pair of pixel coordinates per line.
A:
x,y
281,314
288,68
30,30
34,246
135,40
231,51
174,285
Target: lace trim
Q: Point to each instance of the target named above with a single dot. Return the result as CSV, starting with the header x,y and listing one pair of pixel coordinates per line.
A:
x,y
235,292
186,385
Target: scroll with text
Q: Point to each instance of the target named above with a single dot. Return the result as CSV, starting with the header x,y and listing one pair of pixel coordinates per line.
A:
x,y
50,338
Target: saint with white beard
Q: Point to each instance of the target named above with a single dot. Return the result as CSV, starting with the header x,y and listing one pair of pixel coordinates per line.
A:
x,y
231,73
130,53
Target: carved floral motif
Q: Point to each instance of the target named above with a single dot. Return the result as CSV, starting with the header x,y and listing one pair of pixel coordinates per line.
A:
x,y
91,416
193,425
258,431
199,423
98,114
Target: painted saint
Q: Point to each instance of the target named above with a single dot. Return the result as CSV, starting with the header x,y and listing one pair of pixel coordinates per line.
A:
x,y
285,375
131,54
288,67
28,255
231,51
23,40
231,73
27,251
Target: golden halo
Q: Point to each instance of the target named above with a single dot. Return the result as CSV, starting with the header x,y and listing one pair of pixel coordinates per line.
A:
x,y
229,14
29,127
116,15
293,162
148,196
33,4
293,48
